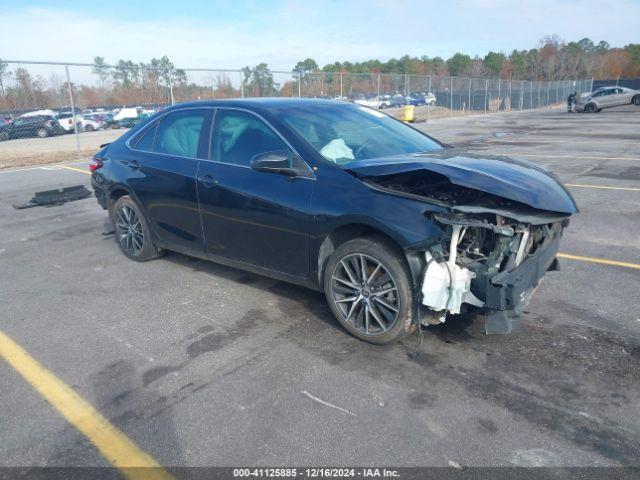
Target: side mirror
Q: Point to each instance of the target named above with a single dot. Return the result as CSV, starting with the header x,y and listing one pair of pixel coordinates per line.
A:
x,y
275,162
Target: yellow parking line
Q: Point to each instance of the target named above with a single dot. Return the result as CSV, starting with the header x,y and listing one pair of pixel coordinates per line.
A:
x,y
604,187
602,261
114,445
583,157
67,167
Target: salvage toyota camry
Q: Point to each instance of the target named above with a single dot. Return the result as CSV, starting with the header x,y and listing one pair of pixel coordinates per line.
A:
x,y
395,228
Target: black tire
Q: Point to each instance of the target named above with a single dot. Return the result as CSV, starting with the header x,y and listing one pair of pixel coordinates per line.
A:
x,y
89,128
636,100
135,243
590,108
42,133
4,136
373,249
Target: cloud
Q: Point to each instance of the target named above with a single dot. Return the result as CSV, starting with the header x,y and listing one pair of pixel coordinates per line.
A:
x,y
281,33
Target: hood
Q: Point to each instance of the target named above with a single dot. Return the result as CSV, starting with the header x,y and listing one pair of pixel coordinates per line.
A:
x,y
516,180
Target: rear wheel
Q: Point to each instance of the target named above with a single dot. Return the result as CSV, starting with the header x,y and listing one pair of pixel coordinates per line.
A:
x,y
132,231
590,108
368,288
42,133
636,100
89,128
4,136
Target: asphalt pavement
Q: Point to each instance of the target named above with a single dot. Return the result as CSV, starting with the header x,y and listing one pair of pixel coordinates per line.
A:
x,y
200,364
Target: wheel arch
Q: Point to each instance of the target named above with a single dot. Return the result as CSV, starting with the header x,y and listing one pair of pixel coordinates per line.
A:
x,y
348,231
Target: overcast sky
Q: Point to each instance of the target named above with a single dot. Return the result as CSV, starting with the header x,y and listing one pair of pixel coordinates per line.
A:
x,y
235,33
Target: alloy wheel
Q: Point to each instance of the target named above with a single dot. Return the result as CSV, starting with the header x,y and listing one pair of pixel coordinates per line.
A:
x,y
365,293
129,230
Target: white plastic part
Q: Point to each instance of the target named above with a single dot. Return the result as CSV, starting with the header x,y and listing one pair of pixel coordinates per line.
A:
x,y
446,285
522,247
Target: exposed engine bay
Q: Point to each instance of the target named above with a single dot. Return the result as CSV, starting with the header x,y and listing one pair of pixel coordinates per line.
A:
x,y
485,237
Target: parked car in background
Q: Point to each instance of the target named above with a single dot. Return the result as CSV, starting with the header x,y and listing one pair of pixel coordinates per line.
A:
x,y
127,112
430,98
373,102
396,228
31,126
125,122
606,97
391,101
90,123
415,100
66,120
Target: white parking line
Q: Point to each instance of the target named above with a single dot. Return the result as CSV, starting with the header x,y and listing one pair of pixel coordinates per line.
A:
x,y
48,167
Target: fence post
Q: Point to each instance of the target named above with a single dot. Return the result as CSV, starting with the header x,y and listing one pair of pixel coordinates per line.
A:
x,y
510,94
499,85
73,113
450,95
378,87
341,85
470,80
486,93
299,83
530,94
173,100
429,104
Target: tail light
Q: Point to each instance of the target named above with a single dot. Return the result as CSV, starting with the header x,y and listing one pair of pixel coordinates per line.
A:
x,y
95,164
70,121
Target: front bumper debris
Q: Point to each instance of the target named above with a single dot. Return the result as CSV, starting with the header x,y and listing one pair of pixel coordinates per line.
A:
x,y
508,293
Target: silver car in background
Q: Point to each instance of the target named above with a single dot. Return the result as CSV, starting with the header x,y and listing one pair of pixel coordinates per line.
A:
x,y
606,97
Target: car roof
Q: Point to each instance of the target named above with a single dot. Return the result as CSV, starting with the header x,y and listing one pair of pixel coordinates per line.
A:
x,y
264,103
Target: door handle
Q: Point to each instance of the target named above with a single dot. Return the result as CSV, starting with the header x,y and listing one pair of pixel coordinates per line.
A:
x,y
208,181
132,163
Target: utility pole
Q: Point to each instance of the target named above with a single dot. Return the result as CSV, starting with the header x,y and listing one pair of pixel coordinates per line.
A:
x,y
73,113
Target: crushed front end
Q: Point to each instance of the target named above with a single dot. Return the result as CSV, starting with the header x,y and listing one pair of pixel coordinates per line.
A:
x,y
492,254
489,262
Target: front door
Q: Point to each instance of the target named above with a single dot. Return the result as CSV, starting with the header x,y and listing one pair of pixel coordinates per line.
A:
x,y
255,217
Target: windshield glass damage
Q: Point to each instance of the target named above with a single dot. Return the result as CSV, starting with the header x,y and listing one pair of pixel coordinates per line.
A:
x,y
342,135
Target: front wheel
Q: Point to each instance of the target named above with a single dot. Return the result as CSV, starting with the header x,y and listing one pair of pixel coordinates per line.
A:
x,y
590,108
367,285
636,100
132,231
42,133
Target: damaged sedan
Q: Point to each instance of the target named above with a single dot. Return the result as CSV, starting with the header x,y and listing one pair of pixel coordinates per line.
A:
x,y
396,228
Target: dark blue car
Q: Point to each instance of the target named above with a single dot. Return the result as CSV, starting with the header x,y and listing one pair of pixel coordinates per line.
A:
x,y
394,227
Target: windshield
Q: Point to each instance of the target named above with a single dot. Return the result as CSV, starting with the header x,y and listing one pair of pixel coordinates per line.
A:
x,y
342,133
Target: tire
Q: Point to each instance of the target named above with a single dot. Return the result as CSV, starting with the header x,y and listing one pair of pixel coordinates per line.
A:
x,y
590,108
370,319
89,128
636,100
134,242
42,133
4,136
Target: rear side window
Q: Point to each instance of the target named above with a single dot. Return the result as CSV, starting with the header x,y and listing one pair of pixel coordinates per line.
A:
x,y
146,142
239,136
179,133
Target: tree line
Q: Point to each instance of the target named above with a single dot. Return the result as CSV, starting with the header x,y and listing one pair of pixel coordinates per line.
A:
x,y
159,81
553,59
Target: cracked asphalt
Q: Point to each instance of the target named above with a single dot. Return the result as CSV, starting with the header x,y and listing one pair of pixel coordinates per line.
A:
x,y
204,365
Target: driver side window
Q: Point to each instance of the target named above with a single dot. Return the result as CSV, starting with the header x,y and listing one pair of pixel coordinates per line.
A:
x,y
239,136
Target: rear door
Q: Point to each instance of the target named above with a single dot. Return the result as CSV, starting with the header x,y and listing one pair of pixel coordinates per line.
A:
x,y
162,170
254,217
619,97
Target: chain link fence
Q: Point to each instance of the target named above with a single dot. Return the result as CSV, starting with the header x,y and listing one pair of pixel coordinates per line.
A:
x,y
58,112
